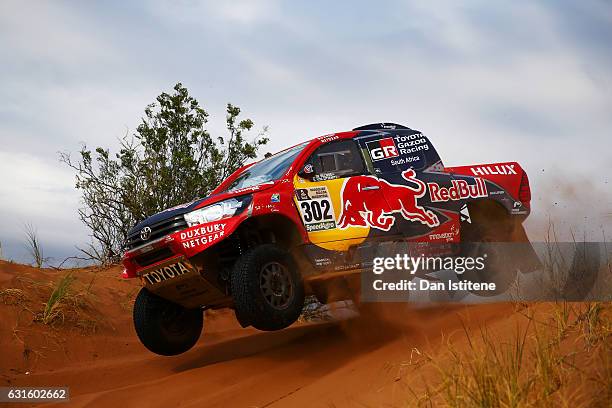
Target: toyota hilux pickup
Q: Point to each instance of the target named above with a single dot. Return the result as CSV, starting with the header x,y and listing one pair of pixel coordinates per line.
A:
x,y
280,229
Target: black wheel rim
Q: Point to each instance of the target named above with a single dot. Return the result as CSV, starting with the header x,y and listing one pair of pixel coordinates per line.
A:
x,y
276,285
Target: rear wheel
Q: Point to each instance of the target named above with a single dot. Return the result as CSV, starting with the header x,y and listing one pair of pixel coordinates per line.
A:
x,y
164,327
267,288
489,236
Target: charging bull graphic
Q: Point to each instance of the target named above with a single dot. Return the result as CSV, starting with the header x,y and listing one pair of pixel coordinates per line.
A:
x,y
370,201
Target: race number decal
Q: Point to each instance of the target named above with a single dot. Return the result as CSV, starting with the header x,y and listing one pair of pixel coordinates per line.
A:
x,y
316,208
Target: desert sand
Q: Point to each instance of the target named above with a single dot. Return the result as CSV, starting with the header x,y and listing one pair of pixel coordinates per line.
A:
x,y
377,359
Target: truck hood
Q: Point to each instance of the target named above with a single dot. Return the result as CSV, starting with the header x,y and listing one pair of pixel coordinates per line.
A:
x,y
181,209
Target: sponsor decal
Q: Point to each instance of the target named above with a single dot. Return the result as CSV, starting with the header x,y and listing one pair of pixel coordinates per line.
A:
x,y
382,149
347,267
252,188
405,160
459,189
517,208
202,235
325,177
368,201
329,138
448,236
275,198
323,262
444,235
267,207
494,170
316,208
165,273
408,144
399,145
308,169
321,226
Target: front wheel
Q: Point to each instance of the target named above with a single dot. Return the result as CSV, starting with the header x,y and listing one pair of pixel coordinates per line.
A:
x,y
164,327
267,288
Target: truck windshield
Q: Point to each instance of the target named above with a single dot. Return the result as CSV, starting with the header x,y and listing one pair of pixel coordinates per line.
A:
x,y
267,170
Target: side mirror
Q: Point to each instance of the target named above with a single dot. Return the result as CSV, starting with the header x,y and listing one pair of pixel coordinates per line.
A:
x,y
307,172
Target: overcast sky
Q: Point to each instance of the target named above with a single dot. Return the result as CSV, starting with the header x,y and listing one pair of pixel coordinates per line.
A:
x,y
525,81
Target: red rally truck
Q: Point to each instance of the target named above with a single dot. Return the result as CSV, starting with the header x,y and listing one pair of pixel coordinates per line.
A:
x,y
286,226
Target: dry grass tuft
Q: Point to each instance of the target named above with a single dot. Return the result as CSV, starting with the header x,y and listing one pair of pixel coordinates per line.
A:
x,y
69,303
12,296
559,359
34,247
57,303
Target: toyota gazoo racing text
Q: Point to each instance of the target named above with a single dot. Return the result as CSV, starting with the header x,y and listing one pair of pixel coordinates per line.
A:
x,y
307,219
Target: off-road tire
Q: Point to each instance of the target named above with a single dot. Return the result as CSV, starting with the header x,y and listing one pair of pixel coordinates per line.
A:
x,y
164,327
248,288
490,234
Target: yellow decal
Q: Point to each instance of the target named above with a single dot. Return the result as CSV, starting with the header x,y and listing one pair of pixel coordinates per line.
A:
x,y
319,204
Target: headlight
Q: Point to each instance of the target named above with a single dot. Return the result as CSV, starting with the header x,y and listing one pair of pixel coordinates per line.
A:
x,y
218,211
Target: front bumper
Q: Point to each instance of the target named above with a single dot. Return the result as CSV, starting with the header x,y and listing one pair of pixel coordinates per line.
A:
x,y
186,244
178,281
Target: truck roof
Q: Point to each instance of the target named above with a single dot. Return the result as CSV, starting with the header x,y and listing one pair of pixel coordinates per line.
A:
x,y
383,126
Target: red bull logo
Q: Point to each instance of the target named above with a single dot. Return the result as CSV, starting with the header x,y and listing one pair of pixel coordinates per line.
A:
x,y
368,201
459,190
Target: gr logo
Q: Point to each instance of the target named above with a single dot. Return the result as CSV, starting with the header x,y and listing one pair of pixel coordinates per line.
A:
x,y
382,149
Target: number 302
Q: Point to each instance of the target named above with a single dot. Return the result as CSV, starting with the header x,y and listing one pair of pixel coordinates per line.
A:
x,y
316,210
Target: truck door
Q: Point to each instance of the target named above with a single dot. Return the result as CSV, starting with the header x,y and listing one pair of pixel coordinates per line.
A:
x,y
322,197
